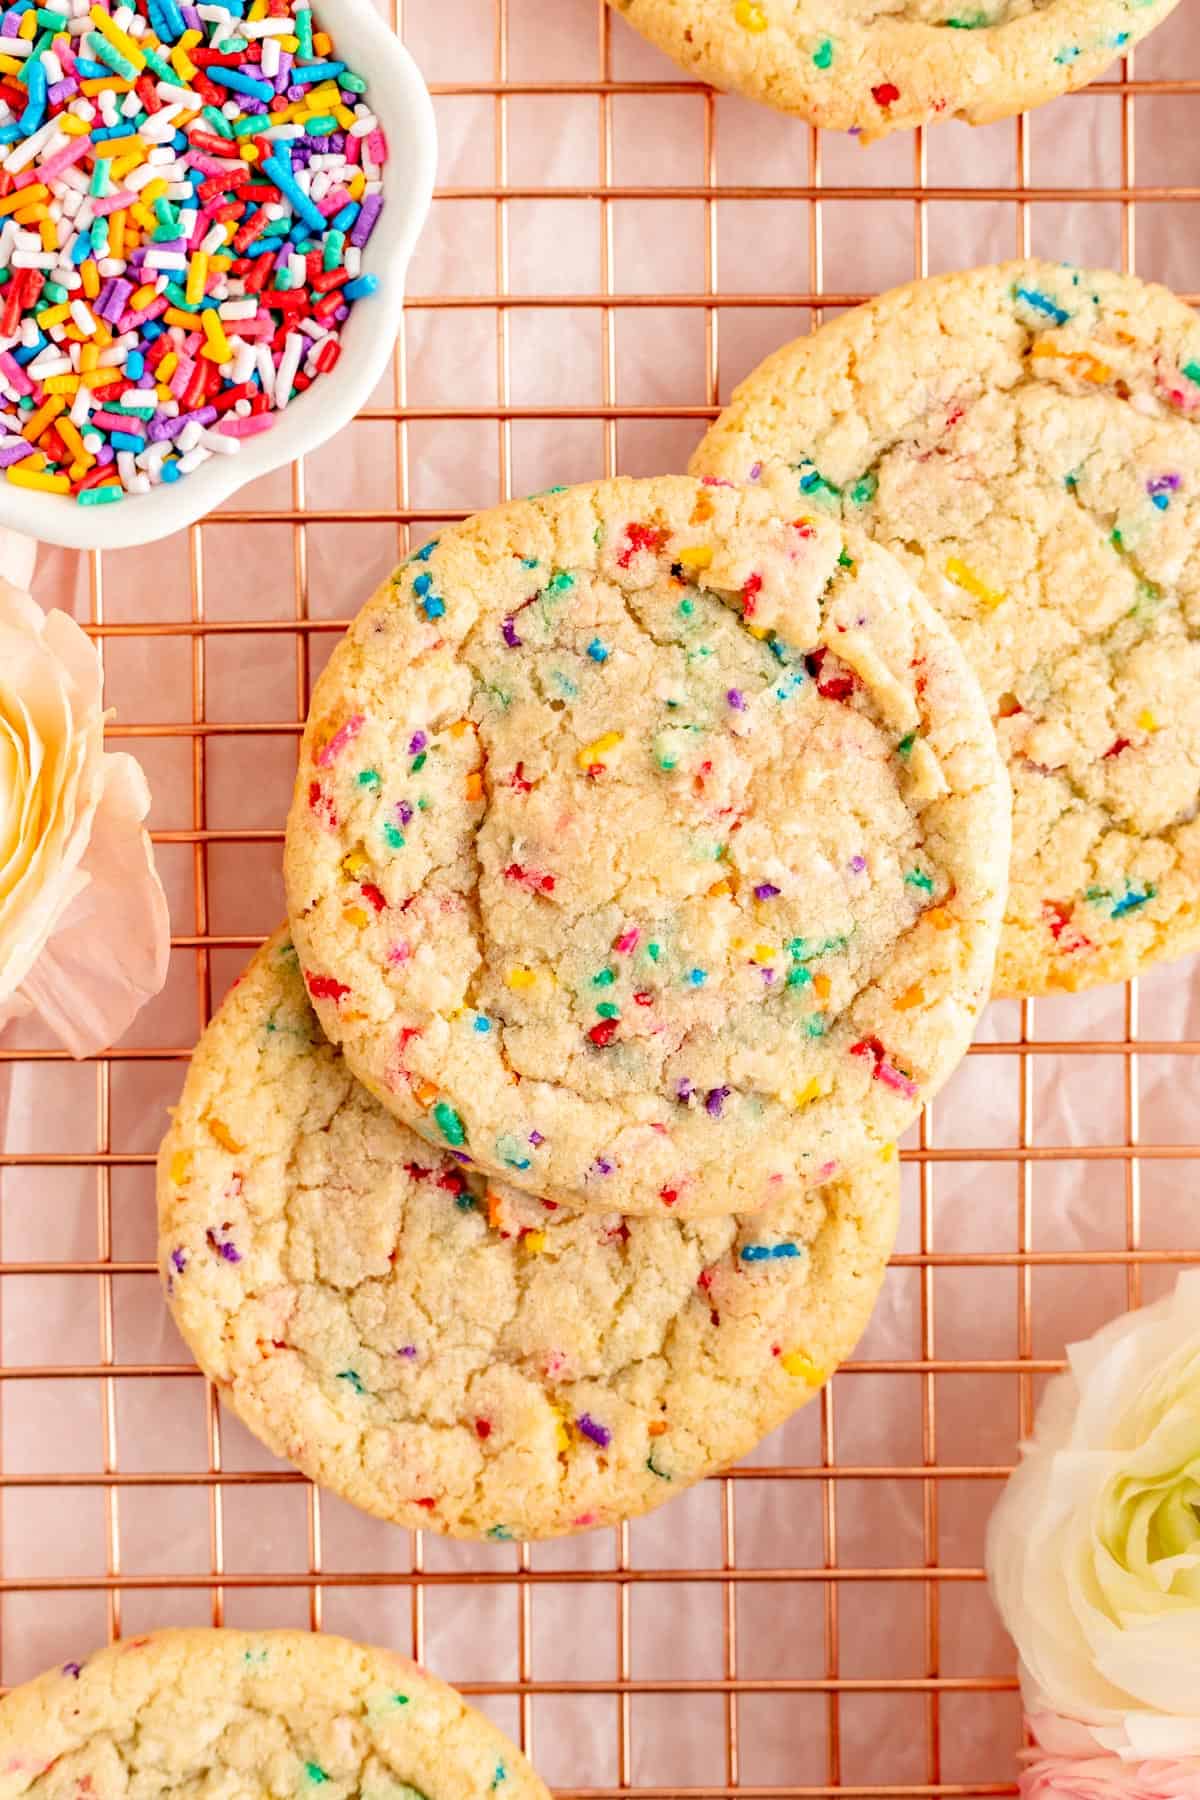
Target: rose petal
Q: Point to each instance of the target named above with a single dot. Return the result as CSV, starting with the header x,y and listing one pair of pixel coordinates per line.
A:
x,y
18,554
109,953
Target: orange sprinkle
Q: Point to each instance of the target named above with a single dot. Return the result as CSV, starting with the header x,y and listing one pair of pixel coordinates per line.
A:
x,y
224,1136
425,1093
474,785
912,996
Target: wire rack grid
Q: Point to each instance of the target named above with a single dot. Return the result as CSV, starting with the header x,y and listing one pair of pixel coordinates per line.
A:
x,y
610,249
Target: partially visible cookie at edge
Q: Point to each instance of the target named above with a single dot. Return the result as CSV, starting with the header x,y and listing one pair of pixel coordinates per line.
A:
x,y
875,66
457,1355
648,847
1027,439
251,1713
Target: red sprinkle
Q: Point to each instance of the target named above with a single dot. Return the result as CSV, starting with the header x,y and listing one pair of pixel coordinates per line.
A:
x,y
640,537
530,878
324,987
483,1428
603,1034
372,895
750,595
886,94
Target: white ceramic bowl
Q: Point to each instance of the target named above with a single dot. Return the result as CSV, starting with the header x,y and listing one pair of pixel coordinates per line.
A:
x,y
400,100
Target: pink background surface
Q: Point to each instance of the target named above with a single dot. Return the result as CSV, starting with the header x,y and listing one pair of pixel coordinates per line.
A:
x,y
891,1674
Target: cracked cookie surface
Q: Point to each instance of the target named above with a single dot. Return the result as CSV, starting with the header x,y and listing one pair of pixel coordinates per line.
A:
x,y
648,847
1027,439
247,1714
874,66
459,1356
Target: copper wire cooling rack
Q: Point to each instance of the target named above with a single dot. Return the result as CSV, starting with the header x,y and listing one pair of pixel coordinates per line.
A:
x,y
610,249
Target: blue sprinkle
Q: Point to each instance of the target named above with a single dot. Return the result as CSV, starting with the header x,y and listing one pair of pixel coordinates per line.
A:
x,y
426,551
434,607
597,652
482,1024
768,1252
1131,900
1039,302
423,583
697,977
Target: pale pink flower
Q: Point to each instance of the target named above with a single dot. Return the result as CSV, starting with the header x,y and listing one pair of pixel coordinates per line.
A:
x,y
1108,1778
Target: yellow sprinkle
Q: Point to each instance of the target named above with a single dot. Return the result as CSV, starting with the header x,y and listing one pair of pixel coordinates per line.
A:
x,y
28,26
182,63
695,556
120,40
969,582
248,152
89,358
142,297
520,978
719,888
181,1167
356,916
154,190
796,1363
562,1437
224,1136
912,996
291,45
344,117
1146,720
593,753
460,728
425,1093
12,66
758,631
101,377
940,918
90,275
749,16
356,185
167,368
762,953
144,216
49,232
808,1093
354,864
62,384
197,275
175,316
888,1153
533,1243
53,315
821,985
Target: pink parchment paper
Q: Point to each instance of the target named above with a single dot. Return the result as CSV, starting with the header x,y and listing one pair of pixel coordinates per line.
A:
x,y
877,1635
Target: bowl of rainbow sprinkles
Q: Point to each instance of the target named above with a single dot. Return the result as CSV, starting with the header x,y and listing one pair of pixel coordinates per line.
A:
x,y
206,214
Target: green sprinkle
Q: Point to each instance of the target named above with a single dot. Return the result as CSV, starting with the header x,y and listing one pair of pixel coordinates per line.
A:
x,y
560,582
823,54
254,1656
919,879
355,1380
449,1123
354,83
399,1699
1116,540
100,496
906,743
500,1775
418,762
393,835
369,778
687,608
608,1010
798,977
605,978
315,1773
864,489
1192,371
501,1533
654,951
845,560
816,1026
322,125
661,1473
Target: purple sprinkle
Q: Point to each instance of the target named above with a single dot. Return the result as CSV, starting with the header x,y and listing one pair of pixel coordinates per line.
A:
x,y
766,890
602,1166
364,225
407,1350
72,1669
12,453
684,1090
715,1100
1163,484
460,1156
404,811
194,21
106,455
61,92
11,25
295,93
341,315
226,1251
178,1261
508,632
736,699
858,864
768,976
599,1434
417,743
536,1138
755,471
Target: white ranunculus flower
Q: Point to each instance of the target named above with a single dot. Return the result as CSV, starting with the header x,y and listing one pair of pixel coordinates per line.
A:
x,y
1094,1547
84,933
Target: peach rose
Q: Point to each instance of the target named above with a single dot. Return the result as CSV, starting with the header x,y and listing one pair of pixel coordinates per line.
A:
x,y
84,932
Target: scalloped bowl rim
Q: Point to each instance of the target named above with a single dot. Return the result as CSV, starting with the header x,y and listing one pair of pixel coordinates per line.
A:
x,y
399,98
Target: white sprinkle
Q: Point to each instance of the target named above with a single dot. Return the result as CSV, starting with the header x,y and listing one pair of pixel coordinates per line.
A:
x,y
112,358
165,259
81,313
190,436
52,66
352,260
17,46
239,309
137,178
139,397
109,266
22,154
289,362
224,446
29,259
81,406
265,28
130,105
49,363
364,127
170,90
265,364
92,442
271,55
193,459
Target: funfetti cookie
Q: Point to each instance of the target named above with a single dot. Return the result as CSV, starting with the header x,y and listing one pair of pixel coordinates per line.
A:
x,y
874,66
1027,439
458,1355
247,1715
648,847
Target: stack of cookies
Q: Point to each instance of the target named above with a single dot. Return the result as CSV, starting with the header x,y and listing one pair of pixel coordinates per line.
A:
x,y
645,872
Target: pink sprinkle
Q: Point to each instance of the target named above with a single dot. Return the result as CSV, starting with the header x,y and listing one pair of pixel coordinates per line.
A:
x,y
240,428
399,953
129,321
586,1519
111,203
377,146
825,1171
18,380
182,375
62,159
628,939
345,734
892,1077
714,481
